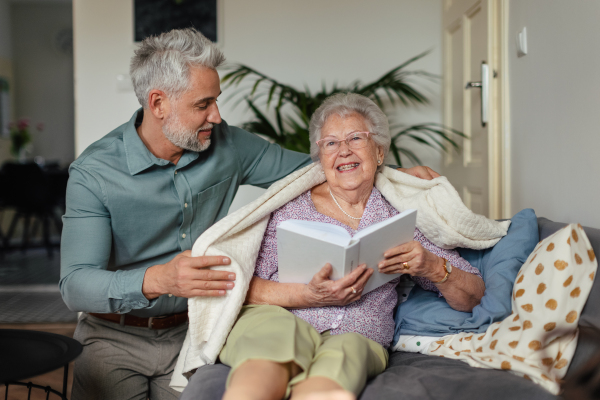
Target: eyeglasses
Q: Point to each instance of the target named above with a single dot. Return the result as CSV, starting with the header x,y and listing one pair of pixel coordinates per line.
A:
x,y
354,140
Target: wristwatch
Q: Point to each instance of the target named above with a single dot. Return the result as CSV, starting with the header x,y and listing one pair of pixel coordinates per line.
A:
x,y
448,268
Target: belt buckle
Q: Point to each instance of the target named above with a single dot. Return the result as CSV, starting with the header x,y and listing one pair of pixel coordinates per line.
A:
x,y
150,322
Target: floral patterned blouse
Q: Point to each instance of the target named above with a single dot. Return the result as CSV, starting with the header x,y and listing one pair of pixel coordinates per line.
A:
x,y
372,315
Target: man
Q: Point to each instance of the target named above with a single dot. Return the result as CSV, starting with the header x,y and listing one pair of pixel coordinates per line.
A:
x,y
137,199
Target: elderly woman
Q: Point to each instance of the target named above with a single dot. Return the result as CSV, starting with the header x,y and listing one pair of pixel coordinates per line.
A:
x,y
325,338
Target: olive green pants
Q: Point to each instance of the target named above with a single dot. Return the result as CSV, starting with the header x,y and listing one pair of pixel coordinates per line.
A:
x,y
275,334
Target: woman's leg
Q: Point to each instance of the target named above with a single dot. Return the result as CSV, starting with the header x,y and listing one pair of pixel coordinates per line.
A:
x,y
341,367
260,379
320,388
266,348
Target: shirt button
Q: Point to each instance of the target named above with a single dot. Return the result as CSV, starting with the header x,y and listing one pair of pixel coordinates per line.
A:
x,y
339,317
185,205
175,172
334,325
170,295
183,235
320,312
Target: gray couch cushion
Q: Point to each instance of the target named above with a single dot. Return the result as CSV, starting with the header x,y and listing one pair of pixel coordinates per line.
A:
x,y
414,376
208,383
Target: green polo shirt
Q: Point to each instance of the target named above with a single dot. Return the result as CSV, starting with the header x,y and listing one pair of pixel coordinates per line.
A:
x,y
128,210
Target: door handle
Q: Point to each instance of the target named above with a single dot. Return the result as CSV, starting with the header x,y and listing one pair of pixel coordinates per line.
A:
x,y
484,85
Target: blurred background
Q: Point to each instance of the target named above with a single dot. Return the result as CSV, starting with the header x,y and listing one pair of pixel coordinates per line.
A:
x,y
64,84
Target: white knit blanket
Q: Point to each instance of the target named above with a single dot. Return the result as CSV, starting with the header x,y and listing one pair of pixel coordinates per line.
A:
x,y
442,218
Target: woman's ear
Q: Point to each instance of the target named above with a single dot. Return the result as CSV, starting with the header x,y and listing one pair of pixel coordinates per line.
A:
x,y
380,154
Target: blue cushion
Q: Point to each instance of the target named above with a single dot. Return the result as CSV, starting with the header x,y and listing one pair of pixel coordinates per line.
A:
x,y
424,313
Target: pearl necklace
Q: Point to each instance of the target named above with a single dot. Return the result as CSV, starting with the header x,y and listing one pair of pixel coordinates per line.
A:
x,y
340,207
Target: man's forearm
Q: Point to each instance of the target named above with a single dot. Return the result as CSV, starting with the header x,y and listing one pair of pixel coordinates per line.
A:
x,y
151,287
96,290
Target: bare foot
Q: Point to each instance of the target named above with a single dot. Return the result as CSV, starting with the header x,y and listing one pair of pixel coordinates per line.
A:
x,y
330,395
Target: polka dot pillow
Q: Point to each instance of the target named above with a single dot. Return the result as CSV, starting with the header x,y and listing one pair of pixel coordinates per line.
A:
x,y
538,340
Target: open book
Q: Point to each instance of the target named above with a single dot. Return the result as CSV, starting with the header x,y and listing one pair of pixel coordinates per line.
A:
x,y
304,247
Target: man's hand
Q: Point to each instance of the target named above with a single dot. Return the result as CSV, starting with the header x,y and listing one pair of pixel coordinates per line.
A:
x,y
420,172
187,276
322,291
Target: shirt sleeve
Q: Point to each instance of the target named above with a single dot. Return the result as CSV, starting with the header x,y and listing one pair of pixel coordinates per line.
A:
x,y
264,163
86,283
452,256
266,264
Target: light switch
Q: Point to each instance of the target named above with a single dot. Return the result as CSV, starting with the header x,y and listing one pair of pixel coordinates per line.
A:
x,y
522,42
124,83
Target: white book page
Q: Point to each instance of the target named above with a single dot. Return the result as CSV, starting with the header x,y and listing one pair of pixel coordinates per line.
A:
x,y
364,232
318,230
380,238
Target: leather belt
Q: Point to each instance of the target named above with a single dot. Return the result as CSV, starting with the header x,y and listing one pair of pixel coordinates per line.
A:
x,y
168,321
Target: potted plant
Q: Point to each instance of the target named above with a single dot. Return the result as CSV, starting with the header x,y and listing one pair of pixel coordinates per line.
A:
x,y
282,112
20,138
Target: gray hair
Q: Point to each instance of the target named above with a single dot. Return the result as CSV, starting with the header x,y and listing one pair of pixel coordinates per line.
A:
x,y
163,62
343,105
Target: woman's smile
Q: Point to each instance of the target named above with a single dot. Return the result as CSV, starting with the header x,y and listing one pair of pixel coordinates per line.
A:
x,y
347,167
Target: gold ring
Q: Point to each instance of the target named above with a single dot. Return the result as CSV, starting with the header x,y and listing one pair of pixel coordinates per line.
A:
x,y
353,290
405,265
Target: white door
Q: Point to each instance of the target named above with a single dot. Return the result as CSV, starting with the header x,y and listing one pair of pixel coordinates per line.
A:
x,y
471,86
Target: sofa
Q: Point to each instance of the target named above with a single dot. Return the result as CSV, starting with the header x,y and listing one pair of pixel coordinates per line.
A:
x,y
416,376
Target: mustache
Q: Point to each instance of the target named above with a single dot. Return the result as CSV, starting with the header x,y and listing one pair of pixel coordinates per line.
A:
x,y
206,127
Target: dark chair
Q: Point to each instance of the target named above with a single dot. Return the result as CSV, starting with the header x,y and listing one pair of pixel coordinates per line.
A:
x,y
2,206
25,188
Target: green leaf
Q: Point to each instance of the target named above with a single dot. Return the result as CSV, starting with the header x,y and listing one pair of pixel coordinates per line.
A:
x,y
291,109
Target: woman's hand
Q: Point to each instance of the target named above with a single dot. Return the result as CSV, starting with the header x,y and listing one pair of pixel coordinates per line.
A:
x,y
462,290
420,262
322,291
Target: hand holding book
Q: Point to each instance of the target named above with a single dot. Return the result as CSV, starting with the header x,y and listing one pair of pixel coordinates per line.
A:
x,y
321,291
411,258
304,246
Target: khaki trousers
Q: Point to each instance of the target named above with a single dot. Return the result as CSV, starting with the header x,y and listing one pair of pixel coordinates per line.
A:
x,y
273,333
125,362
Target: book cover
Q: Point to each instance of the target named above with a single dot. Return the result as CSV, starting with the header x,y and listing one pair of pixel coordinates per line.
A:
x,y
304,247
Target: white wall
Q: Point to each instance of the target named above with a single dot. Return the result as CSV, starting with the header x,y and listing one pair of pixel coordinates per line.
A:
x,y
43,76
5,63
333,41
555,109
5,48
295,42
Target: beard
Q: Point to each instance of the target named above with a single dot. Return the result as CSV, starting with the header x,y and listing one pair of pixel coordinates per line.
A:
x,y
181,136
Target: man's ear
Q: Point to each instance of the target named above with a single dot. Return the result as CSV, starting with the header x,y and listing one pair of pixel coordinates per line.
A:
x,y
158,103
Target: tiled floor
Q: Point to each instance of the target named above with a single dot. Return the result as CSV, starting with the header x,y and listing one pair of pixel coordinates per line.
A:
x,y
29,289
29,306
30,268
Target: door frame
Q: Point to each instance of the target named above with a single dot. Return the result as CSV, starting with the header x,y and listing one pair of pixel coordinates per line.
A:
x,y
499,168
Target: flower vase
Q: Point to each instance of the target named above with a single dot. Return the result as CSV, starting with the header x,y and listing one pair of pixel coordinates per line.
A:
x,y
23,155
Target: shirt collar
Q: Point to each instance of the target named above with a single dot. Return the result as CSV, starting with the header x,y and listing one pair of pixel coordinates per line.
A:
x,y
139,158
